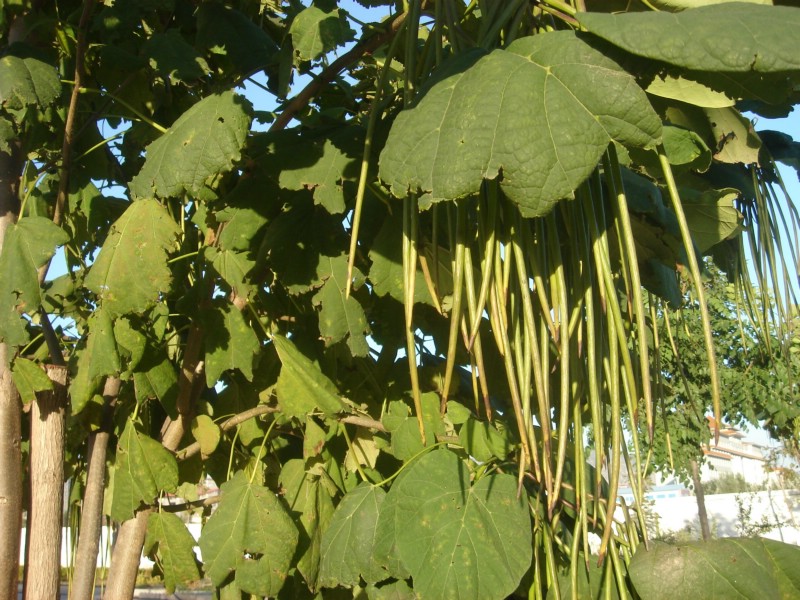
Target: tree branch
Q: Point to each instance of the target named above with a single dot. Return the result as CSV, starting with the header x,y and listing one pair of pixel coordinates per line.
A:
x,y
329,73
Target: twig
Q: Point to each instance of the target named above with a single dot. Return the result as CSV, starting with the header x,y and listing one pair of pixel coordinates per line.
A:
x,y
365,46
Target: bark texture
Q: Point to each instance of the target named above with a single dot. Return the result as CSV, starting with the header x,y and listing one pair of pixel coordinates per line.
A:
x,y
92,505
45,517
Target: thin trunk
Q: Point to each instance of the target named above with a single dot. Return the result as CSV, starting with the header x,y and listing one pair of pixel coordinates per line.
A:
x,y
10,410
92,505
701,502
130,539
43,562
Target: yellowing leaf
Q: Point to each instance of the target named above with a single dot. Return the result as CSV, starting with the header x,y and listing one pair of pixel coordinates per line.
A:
x,y
131,271
206,433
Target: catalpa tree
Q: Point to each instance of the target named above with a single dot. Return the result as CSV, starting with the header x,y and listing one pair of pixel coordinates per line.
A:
x,y
391,318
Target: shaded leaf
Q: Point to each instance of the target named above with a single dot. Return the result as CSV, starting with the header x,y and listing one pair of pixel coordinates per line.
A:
x,y
205,140
302,387
315,32
251,535
542,112
131,271
228,32
404,428
233,267
143,469
730,37
29,379
686,149
718,569
173,57
26,80
155,377
229,341
457,539
7,134
347,544
482,441
340,317
169,543
684,4
28,244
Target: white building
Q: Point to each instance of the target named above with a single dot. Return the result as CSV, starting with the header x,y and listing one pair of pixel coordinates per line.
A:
x,y
733,455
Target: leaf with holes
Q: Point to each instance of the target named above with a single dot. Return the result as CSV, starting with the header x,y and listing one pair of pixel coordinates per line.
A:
x,y
131,271
251,535
205,140
539,115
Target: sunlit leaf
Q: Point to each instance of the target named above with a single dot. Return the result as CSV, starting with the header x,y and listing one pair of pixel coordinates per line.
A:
x,y
347,545
169,542
29,379
27,245
315,32
737,141
173,57
718,569
729,37
143,468
205,140
541,113
206,433
131,271
711,216
458,539
251,535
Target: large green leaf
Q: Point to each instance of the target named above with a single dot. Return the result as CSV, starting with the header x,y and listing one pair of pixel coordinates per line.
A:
x,y
340,317
737,141
205,140
171,546
173,57
251,534
28,245
144,468
155,377
717,570
230,342
302,387
233,267
348,544
131,271
27,81
460,540
541,113
315,32
730,37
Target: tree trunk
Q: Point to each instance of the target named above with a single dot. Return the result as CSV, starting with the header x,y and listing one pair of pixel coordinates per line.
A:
x,y
10,411
701,502
43,561
92,505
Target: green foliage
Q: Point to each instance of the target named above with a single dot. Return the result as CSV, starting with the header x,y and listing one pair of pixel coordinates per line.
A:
x,y
724,568
251,294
